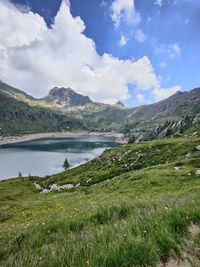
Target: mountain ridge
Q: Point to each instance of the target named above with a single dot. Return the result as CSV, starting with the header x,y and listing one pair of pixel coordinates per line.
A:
x,y
66,97
144,122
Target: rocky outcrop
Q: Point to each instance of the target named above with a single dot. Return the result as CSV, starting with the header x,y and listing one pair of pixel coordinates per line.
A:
x,y
55,187
67,97
168,129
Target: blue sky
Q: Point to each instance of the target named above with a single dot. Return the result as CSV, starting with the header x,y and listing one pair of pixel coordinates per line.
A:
x,y
167,33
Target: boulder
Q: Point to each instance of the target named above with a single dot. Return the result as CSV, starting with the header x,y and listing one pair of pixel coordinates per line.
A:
x,y
198,147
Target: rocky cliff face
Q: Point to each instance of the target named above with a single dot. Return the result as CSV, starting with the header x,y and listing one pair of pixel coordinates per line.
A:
x,y
66,97
187,125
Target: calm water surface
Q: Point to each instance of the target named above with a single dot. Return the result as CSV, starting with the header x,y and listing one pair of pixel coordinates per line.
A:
x,y
46,156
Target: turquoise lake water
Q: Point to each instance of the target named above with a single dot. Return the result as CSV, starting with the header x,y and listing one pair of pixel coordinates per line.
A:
x,y
46,156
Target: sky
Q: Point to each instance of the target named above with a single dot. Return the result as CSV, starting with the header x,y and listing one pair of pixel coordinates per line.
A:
x,y
138,52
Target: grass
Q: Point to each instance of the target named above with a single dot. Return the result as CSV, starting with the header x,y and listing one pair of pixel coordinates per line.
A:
x,y
124,159
18,117
133,215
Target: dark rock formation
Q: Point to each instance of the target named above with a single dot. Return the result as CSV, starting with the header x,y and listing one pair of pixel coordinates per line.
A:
x,y
67,97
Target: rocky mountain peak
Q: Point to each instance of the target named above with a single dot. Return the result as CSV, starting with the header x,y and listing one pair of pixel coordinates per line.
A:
x,y
67,97
119,103
178,93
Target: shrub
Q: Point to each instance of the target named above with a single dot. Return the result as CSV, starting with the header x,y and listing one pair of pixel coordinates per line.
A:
x,y
132,139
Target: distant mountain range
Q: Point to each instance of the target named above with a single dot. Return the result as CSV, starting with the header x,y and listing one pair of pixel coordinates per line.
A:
x,y
64,109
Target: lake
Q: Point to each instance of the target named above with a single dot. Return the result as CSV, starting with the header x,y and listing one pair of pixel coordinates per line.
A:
x,y
46,156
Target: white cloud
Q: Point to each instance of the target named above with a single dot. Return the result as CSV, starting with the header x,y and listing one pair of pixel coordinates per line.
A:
x,y
161,93
22,29
158,2
124,10
173,50
123,40
35,58
163,65
140,36
140,98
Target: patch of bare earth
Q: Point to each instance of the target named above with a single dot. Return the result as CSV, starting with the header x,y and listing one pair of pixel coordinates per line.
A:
x,y
190,257
194,229
175,262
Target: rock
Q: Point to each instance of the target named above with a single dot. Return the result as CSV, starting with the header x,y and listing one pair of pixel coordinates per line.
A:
x,y
198,147
37,186
67,97
197,172
54,187
45,191
59,187
67,186
119,103
188,155
176,168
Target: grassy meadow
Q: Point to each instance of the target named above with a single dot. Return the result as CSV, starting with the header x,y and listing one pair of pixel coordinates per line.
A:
x,y
137,205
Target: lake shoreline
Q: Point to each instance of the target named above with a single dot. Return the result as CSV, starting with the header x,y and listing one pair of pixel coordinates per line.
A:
x,y
30,137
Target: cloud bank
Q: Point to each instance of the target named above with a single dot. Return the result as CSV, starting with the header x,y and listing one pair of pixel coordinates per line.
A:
x,y
124,10
35,58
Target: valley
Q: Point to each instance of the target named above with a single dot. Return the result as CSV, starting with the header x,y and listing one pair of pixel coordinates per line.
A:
x,y
65,110
99,133
137,204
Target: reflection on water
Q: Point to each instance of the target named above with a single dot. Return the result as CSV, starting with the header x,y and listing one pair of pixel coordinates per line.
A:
x,y
46,156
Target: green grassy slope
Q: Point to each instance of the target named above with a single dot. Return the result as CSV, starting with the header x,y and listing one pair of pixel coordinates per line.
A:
x,y
125,158
137,210
17,117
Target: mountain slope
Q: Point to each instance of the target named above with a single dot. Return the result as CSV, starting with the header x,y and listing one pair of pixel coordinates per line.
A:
x,y
139,206
15,93
150,121
17,117
178,114
181,103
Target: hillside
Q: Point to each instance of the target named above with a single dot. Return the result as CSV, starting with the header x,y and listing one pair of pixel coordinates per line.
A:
x,y
175,116
18,117
136,205
15,93
180,113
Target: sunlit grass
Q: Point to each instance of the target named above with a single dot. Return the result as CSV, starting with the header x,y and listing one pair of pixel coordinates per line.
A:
x,y
139,218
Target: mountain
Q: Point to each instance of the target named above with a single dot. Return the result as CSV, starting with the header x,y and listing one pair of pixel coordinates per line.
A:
x,y
119,103
177,115
66,97
19,117
181,103
15,93
148,118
